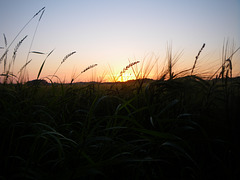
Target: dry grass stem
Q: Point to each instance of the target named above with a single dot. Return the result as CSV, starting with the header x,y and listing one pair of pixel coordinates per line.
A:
x,y
86,69
89,67
5,57
127,67
195,62
113,76
171,60
24,66
64,59
16,49
41,15
226,66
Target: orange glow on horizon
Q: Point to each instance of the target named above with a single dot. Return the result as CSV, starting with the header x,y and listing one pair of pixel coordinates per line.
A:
x,y
126,77
116,78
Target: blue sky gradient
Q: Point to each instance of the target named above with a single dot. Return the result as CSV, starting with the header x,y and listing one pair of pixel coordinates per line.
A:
x,y
110,33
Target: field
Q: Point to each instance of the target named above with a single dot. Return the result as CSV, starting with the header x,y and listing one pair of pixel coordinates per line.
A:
x,y
179,126
183,128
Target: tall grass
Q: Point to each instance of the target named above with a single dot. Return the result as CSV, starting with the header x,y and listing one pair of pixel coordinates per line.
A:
x,y
15,52
30,47
7,72
176,127
171,61
5,57
86,69
40,70
195,62
226,66
78,133
64,59
130,65
7,46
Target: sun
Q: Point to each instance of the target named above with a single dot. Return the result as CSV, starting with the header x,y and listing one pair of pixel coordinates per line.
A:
x,y
116,78
126,77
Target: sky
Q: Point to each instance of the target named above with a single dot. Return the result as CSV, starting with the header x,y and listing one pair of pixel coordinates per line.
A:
x,y
114,33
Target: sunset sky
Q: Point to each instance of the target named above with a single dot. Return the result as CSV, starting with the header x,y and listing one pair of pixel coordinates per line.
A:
x,y
111,33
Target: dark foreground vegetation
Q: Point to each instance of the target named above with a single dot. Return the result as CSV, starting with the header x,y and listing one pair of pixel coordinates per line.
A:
x,y
183,128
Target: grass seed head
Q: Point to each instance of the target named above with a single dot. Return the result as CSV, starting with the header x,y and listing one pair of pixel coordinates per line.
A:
x,y
127,67
16,48
196,58
89,67
67,56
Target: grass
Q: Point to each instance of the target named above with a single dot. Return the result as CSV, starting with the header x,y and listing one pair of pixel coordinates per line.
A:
x,y
86,69
186,125
176,127
64,59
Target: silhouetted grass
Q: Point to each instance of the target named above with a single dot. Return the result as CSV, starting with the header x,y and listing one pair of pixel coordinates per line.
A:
x,y
185,125
180,127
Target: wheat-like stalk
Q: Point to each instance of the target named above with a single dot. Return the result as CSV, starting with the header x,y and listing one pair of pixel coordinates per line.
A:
x,y
86,69
35,31
16,49
7,48
64,59
222,67
67,56
89,67
127,67
197,57
14,54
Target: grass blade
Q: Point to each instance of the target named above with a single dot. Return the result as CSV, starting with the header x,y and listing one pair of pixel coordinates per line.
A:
x,y
37,52
24,66
40,70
